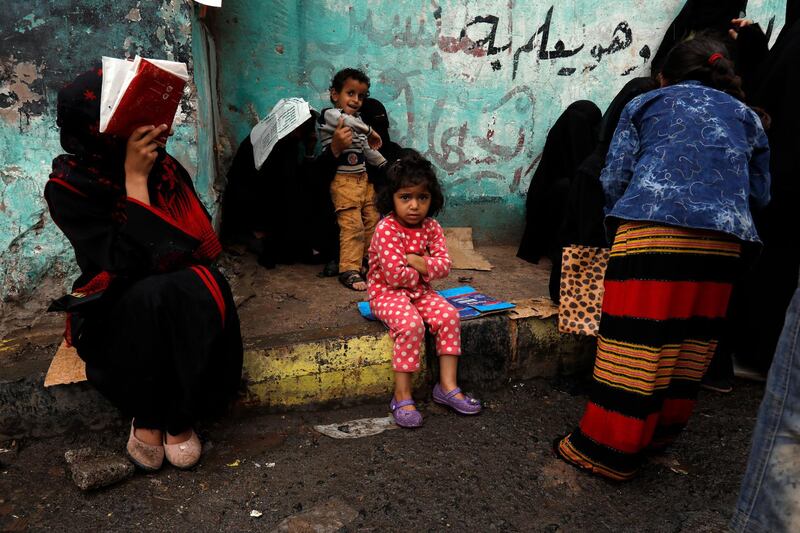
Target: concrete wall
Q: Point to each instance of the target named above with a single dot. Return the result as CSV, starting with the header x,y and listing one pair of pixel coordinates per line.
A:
x,y
45,44
473,85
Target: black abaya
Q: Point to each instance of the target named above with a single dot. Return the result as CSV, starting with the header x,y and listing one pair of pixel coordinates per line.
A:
x,y
154,321
582,223
286,200
710,16
767,290
571,139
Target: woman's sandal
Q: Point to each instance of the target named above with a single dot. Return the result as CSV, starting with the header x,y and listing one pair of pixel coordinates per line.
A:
x,y
147,457
403,417
183,455
350,278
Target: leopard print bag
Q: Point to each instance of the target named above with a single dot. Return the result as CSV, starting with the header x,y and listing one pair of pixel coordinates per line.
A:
x,y
582,271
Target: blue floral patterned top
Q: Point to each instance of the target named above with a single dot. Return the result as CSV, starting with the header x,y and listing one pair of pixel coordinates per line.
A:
x,y
691,156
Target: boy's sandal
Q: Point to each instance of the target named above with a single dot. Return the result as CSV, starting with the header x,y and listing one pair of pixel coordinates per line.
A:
x,y
350,278
405,418
466,406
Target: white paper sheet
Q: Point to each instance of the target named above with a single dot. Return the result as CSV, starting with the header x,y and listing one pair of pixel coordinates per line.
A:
x,y
285,117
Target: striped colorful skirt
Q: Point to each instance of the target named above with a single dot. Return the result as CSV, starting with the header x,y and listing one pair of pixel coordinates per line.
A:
x,y
666,296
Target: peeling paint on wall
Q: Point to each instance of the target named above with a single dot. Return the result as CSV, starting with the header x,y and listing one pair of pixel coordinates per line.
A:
x,y
45,45
475,86
21,90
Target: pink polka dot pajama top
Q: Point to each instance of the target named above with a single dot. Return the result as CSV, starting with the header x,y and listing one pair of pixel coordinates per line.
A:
x,y
403,299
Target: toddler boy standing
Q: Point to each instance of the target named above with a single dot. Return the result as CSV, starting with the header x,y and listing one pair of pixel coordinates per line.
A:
x,y
352,194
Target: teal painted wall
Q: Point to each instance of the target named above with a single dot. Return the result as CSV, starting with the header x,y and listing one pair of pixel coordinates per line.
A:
x,y
457,77
45,44
473,85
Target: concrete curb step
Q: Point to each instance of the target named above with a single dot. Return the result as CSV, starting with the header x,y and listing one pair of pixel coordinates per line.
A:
x,y
310,369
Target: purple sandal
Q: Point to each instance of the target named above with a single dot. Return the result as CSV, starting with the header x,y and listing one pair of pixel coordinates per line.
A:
x,y
467,406
403,417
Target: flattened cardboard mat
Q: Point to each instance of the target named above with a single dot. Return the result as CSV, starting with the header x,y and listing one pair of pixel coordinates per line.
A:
x,y
66,367
462,252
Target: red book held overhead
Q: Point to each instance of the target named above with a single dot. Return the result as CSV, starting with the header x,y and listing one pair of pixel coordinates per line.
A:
x,y
141,92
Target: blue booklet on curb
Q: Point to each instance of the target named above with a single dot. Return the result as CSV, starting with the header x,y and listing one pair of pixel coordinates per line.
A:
x,y
469,302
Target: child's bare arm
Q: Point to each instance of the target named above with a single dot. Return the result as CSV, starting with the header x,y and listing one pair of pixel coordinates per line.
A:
x,y
374,140
417,262
437,262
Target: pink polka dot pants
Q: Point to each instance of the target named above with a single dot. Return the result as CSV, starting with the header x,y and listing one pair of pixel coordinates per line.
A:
x,y
406,320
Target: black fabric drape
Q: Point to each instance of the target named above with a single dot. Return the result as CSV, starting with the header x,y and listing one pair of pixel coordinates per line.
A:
x,y
766,291
157,341
374,114
583,215
711,16
571,139
286,199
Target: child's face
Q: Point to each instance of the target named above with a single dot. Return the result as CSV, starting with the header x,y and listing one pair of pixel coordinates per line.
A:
x,y
351,97
411,205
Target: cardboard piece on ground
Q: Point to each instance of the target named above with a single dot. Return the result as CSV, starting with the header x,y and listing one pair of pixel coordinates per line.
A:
x,y
355,429
462,252
66,367
542,307
286,116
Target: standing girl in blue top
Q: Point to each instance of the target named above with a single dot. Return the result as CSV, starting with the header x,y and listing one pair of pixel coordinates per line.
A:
x,y
686,164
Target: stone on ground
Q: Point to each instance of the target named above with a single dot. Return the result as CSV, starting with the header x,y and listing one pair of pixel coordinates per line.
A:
x,y
92,469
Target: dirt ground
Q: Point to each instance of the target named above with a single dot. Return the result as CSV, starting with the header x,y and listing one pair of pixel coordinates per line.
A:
x,y
494,472
292,297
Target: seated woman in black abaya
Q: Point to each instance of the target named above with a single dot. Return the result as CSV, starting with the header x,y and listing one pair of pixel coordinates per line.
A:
x,y
281,211
152,318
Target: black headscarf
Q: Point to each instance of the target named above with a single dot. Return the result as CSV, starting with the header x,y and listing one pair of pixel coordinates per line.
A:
x,y
571,139
78,118
710,16
792,16
374,114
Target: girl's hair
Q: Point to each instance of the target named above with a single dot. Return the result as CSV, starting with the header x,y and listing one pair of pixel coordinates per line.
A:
x,y
705,59
337,82
410,170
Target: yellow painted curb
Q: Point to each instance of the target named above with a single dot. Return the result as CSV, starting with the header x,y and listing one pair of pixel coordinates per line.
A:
x,y
321,371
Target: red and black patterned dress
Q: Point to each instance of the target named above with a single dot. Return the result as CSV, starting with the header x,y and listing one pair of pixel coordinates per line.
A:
x,y
153,319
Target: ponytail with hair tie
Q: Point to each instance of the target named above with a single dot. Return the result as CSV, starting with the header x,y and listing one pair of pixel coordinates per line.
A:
x,y
698,58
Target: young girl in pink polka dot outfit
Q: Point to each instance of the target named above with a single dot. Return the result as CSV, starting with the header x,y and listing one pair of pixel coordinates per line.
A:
x,y
407,251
